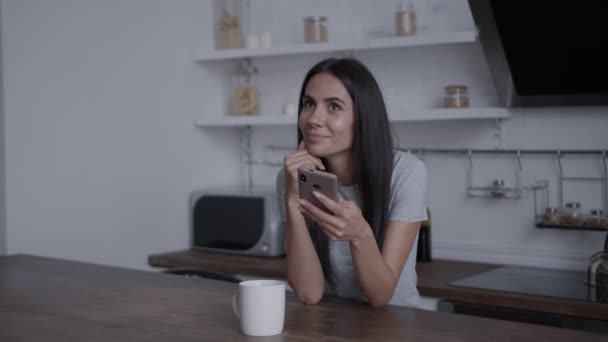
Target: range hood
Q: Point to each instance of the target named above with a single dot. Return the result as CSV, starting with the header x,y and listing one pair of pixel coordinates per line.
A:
x,y
545,53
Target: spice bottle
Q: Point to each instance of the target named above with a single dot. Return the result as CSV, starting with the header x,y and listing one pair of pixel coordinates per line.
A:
x,y
552,216
596,219
315,29
572,214
456,96
405,20
497,189
244,94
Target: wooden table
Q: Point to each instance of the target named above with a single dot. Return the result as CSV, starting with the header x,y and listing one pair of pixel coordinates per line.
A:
x,y
433,280
56,300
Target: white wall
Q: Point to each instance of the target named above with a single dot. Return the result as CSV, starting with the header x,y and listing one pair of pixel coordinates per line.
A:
x,y
101,152
2,178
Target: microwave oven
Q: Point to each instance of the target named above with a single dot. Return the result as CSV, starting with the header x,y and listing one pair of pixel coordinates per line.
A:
x,y
237,221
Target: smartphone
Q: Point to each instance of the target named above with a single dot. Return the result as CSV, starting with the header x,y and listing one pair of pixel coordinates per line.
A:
x,y
316,180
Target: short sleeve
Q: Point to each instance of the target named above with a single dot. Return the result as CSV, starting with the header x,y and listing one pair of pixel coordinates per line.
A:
x,y
408,190
280,189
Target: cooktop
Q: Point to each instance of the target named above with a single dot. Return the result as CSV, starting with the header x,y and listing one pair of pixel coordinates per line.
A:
x,y
536,281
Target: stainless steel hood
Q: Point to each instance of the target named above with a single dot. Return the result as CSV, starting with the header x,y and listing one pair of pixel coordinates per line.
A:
x,y
545,53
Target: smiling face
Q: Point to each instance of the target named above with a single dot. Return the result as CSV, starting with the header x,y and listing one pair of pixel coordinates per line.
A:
x,y
327,117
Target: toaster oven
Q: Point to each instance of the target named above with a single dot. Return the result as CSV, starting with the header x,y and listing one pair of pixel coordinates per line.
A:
x,y
237,221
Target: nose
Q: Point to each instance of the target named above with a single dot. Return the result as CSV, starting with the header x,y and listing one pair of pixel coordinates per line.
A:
x,y
316,117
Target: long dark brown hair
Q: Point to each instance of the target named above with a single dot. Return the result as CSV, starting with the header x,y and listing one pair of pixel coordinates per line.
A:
x,y
372,150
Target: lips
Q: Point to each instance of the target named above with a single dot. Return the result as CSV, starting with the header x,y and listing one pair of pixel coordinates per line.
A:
x,y
315,138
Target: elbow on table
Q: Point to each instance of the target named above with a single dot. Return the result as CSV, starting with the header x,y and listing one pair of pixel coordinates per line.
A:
x,y
309,297
378,303
379,300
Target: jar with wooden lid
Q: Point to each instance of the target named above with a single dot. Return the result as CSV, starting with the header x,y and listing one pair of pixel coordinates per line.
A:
x,y
456,96
315,29
405,20
597,219
244,94
229,25
552,216
572,214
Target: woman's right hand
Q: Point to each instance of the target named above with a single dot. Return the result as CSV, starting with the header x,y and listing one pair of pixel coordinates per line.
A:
x,y
293,161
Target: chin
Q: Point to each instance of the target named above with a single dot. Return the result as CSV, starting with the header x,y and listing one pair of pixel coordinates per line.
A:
x,y
318,150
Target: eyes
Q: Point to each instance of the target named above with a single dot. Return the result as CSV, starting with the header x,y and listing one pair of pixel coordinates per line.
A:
x,y
308,104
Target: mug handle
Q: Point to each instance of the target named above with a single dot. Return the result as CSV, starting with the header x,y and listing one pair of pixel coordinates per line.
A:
x,y
235,300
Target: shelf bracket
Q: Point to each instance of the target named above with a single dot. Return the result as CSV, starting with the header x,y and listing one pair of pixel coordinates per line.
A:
x,y
247,157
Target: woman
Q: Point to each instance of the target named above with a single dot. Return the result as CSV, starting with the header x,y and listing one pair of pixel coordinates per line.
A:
x,y
367,248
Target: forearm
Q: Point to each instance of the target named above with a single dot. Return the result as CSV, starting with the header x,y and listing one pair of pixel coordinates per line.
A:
x,y
376,280
304,272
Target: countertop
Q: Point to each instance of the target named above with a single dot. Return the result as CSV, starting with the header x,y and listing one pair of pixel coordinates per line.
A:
x,y
59,300
433,280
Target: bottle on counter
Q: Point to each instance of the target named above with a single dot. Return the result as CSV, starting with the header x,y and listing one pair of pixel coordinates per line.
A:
x,y
424,240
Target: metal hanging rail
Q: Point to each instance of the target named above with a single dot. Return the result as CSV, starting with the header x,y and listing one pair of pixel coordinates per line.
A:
x,y
420,152
415,150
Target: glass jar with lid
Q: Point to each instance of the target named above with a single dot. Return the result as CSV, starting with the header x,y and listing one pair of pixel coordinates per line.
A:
x,y
497,189
572,214
456,96
230,24
552,216
405,20
315,29
244,94
597,219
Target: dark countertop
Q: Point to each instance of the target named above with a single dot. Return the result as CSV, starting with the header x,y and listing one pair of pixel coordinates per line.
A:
x,y
59,300
433,280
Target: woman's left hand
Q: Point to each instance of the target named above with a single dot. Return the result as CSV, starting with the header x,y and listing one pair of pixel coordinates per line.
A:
x,y
346,224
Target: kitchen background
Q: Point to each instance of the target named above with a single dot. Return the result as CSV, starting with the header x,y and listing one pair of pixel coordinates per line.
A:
x,y
101,151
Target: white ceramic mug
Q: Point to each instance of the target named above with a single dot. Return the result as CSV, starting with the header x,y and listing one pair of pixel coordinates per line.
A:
x,y
260,306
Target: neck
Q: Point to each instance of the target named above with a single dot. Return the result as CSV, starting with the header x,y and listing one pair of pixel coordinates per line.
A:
x,y
342,166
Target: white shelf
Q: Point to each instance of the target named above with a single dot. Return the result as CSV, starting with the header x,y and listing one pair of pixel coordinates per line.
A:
x,y
437,114
479,113
248,120
373,43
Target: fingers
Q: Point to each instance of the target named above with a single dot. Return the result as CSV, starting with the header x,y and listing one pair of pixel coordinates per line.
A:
x,y
296,155
294,163
333,206
332,224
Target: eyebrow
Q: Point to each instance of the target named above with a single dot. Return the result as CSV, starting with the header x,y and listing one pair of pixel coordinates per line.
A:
x,y
329,99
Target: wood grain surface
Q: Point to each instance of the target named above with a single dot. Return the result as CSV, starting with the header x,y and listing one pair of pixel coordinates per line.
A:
x,y
57,300
433,281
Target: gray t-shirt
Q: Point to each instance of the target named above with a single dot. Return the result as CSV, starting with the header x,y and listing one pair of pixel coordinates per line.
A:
x,y
407,204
